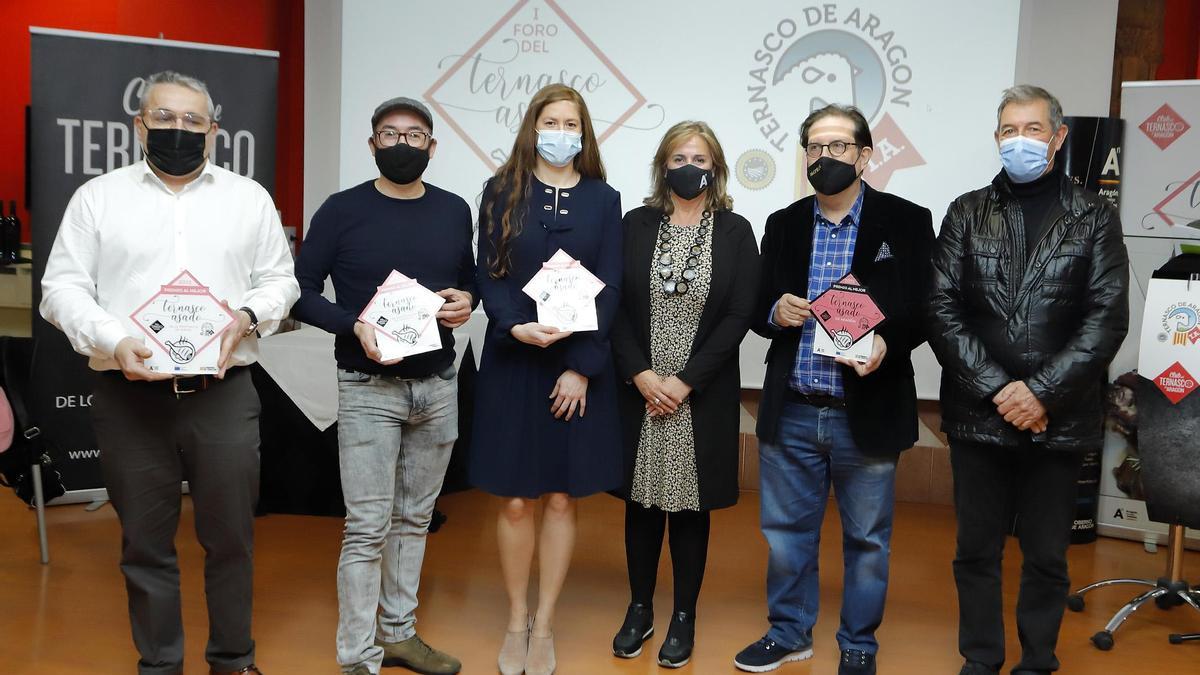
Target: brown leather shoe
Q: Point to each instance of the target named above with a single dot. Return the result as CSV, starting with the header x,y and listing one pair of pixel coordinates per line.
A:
x,y
248,670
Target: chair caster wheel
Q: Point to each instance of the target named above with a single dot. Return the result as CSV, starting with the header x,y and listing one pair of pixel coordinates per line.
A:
x,y
1167,601
1103,640
1075,602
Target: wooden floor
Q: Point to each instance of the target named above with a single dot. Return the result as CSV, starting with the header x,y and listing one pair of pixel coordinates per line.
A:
x,y
69,617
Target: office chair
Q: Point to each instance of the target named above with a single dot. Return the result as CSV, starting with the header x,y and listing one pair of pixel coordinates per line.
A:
x,y
1169,446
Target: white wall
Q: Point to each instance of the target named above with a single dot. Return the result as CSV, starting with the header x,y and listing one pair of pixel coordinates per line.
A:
x,y
322,101
1064,45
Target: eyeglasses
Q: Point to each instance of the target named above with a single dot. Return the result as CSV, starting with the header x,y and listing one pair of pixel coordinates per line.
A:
x,y
164,118
386,138
836,149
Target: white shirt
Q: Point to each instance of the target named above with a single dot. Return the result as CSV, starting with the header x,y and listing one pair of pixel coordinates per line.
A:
x,y
125,234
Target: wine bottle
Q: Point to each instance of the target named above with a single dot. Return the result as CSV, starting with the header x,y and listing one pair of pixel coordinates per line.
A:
x,y
12,234
4,237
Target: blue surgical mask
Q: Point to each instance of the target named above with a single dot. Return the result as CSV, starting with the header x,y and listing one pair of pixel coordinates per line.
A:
x,y
1024,158
558,148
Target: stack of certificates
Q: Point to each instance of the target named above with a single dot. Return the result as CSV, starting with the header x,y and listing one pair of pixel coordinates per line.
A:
x,y
403,316
565,293
184,323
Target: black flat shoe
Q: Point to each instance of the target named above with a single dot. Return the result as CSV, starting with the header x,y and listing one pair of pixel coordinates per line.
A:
x,y
676,650
639,625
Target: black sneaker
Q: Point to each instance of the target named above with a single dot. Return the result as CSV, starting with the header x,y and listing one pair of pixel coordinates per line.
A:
x,y
676,650
856,662
766,655
977,668
639,625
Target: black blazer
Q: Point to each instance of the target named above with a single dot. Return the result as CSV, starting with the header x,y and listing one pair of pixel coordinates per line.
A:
x,y
712,369
883,405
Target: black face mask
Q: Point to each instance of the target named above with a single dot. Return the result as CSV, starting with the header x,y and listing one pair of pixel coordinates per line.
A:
x,y
175,152
689,180
830,176
401,164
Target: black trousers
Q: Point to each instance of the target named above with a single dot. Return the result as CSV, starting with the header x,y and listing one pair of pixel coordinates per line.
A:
x,y
150,442
992,485
644,530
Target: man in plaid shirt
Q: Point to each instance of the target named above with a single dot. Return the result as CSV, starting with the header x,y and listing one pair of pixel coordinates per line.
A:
x,y
824,420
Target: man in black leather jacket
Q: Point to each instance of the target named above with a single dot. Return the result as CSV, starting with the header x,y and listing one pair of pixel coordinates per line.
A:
x,y
1028,307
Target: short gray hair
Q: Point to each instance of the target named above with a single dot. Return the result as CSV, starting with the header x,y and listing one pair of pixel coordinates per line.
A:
x,y
1028,93
172,77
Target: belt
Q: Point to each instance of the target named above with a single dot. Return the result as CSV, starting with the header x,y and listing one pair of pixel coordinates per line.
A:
x,y
190,384
815,400
182,385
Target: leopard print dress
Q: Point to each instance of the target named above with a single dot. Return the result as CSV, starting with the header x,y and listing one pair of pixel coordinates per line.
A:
x,y
665,473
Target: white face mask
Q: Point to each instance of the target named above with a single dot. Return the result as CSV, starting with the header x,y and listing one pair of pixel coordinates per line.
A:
x,y
558,148
1024,158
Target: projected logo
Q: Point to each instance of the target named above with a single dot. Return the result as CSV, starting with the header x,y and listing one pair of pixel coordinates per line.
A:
x,y
824,57
484,91
1164,126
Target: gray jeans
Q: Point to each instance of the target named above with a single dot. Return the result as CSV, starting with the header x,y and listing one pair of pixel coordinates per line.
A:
x,y
394,438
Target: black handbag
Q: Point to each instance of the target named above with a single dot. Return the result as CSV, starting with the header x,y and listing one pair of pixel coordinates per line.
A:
x,y
29,445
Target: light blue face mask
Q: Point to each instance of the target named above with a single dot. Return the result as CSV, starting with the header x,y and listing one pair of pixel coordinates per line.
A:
x,y
558,148
1024,158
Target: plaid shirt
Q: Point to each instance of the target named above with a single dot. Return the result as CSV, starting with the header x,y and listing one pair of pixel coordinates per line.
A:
x,y
832,252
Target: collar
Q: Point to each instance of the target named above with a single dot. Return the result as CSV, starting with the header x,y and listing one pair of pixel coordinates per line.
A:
x,y
853,218
207,174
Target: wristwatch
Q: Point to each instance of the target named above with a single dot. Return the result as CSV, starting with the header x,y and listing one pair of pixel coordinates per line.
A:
x,y
253,321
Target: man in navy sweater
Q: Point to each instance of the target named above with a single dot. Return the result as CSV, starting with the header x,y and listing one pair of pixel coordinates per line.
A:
x,y
397,420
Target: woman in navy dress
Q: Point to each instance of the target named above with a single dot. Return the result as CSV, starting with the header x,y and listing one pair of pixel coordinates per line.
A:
x,y
545,424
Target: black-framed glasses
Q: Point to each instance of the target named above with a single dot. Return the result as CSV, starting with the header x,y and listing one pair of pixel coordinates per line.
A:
x,y
165,118
386,138
836,149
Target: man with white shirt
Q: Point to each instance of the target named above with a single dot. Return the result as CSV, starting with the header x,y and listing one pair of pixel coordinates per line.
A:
x,y
124,234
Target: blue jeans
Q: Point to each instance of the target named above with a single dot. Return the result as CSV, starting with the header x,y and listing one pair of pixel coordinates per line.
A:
x,y
815,446
394,443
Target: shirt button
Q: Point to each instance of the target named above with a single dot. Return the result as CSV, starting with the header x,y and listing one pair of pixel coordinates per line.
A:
x,y
549,191
834,236
829,264
816,380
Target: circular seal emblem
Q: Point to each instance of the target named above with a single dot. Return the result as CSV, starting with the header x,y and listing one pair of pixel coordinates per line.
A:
x,y
842,339
755,169
181,351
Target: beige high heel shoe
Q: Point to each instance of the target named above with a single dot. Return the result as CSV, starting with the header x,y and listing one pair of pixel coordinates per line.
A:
x,y
540,660
514,651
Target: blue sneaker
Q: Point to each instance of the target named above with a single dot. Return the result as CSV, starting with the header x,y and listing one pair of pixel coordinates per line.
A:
x,y
856,662
766,655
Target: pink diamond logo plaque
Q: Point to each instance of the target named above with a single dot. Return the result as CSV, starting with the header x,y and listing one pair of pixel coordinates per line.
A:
x,y
1164,126
483,94
184,323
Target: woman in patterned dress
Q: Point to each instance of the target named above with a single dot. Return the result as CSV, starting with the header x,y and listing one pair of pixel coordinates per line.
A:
x,y
690,278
